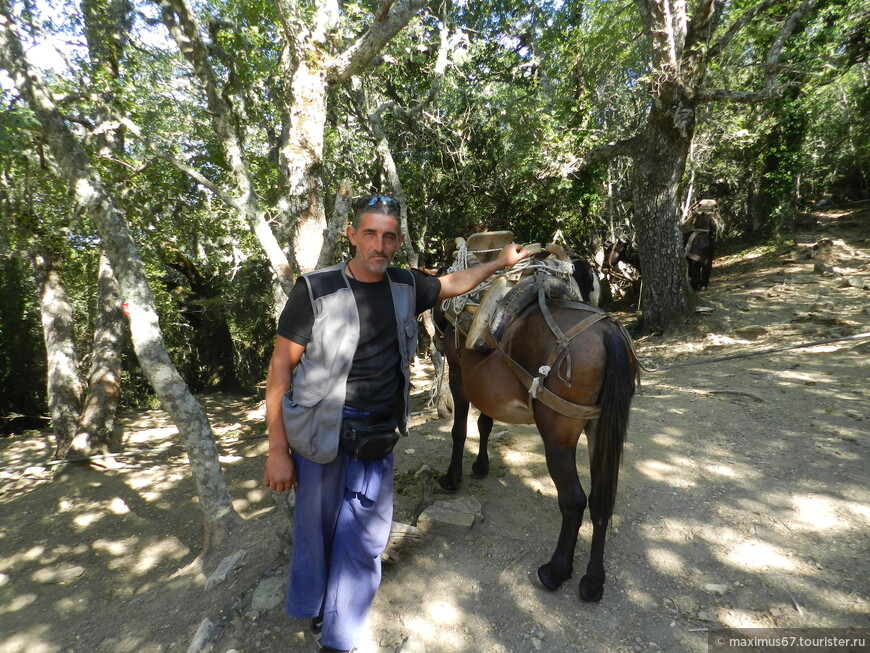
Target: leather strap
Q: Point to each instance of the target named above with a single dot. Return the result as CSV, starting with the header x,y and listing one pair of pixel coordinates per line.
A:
x,y
548,398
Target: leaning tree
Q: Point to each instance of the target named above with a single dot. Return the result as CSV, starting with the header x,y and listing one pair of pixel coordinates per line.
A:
x,y
91,194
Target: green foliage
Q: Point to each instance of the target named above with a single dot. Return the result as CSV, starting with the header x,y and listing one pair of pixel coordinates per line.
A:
x,y
765,162
22,354
526,86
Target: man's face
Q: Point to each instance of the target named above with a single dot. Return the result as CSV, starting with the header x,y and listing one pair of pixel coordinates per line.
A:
x,y
376,241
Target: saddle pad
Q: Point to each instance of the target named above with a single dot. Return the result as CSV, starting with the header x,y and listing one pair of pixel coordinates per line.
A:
x,y
481,244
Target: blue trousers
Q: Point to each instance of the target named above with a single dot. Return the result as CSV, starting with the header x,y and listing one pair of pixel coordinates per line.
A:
x,y
343,514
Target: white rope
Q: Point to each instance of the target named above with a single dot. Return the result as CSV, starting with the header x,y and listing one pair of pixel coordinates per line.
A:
x,y
435,390
543,371
552,265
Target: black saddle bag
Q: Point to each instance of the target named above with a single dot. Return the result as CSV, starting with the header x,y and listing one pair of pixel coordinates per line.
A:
x,y
367,438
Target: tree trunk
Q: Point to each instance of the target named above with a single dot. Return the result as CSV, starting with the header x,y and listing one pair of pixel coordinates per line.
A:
x,y
341,209
301,157
64,389
185,29
659,164
97,420
388,165
91,195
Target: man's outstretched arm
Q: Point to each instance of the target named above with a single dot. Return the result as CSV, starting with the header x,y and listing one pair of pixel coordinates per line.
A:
x,y
461,281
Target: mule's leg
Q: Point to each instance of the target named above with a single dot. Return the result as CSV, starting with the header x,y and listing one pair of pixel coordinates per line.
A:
x,y
560,446
480,467
592,582
695,275
705,272
450,481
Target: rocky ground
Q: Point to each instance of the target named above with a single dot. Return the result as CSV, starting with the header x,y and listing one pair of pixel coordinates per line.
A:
x,y
743,501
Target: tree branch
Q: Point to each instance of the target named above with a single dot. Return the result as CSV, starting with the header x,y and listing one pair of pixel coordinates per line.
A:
x,y
194,174
703,23
770,87
625,147
335,228
389,22
741,22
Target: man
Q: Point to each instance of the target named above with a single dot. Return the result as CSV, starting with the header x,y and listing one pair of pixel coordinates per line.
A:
x,y
346,338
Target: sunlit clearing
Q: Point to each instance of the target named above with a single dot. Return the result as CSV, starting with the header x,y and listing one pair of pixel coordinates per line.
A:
x,y
115,547
423,629
721,470
31,642
664,440
641,598
803,377
148,436
20,602
815,511
665,560
514,457
154,483
860,510
857,604
759,555
118,506
664,472
156,553
33,553
72,604
744,619
443,613
255,496
230,459
86,519
543,487
226,428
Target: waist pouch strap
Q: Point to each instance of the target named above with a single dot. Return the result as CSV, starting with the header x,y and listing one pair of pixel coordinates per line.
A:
x,y
368,438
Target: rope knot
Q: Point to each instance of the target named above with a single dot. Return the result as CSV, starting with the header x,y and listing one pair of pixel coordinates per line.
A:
x,y
543,371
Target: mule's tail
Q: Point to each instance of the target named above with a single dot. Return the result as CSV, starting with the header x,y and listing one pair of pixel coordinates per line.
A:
x,y
615,401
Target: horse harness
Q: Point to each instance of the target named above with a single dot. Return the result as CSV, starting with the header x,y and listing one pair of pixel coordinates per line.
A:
x,y
535,384
690,242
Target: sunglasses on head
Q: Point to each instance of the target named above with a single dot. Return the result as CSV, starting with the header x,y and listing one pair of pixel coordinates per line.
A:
x,y
373,200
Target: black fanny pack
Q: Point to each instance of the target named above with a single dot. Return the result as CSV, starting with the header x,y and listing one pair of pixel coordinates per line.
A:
x,y
367,438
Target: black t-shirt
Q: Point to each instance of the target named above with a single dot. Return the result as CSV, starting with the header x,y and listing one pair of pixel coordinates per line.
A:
x,y
374,382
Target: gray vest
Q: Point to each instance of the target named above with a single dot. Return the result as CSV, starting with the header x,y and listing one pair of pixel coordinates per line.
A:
x,y
312,408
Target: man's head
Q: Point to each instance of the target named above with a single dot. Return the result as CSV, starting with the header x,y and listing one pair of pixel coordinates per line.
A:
x,y
376,235
375,204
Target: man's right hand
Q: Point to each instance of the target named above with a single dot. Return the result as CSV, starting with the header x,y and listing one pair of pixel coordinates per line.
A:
x,y
280,474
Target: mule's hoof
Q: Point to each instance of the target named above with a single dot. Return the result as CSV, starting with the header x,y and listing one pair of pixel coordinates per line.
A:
x,y
480,471
589,590
448,484
548,580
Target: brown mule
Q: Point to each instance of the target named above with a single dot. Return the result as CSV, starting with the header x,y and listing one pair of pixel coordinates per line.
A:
x,y
588,389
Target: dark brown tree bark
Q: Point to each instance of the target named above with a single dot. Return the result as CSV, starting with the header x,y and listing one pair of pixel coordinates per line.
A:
x,y
658,170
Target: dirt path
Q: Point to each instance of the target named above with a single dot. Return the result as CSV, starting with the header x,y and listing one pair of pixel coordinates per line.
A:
x,y
743,501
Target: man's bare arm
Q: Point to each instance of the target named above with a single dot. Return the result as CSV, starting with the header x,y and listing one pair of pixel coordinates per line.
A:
x,y
457,283
280,473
